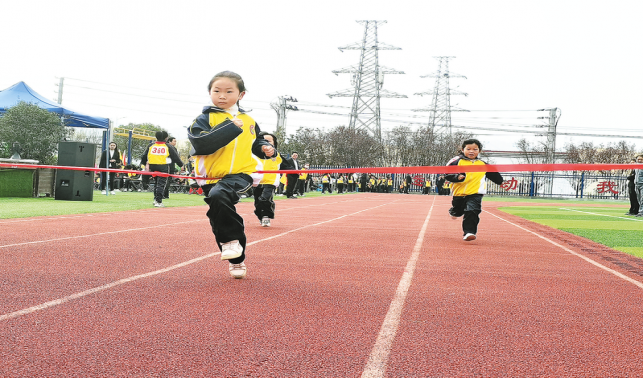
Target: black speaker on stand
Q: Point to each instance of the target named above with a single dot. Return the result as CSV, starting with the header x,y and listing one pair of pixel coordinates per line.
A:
x,y
73,185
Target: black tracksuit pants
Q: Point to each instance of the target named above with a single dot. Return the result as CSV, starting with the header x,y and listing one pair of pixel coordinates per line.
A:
x,y
470,206
227,224
264,204
292,184
159,183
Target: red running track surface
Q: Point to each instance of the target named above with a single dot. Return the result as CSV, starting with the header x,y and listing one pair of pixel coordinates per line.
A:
x,y
340,286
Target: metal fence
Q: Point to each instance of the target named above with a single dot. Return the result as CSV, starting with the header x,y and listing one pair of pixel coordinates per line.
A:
x,y
563,184
599,185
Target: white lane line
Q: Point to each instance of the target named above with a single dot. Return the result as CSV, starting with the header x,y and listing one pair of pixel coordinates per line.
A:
x,y
94,290
612,271
602,215
378,359
96,234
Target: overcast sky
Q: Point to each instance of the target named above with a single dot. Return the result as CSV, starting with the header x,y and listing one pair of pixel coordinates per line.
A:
x,y
144,61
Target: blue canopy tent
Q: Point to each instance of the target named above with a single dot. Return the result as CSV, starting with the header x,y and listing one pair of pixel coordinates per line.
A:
x,y
22,92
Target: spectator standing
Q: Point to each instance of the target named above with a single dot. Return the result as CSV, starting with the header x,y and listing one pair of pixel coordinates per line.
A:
x,y
638,185
113,157
326,184
407,184
171,143
631,191
427,186
301,181
340,184
292,177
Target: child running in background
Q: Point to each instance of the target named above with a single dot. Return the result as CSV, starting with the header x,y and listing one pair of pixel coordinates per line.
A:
x,y
468,188
228,169
264,192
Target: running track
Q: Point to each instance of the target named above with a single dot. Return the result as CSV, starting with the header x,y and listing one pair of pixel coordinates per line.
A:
x,y
371,285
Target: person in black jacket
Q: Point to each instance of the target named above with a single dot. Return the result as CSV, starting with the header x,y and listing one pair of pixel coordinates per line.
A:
x,y
171,143
114,161
292,177
631,191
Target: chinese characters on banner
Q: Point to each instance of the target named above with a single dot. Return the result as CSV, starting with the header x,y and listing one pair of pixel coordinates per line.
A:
x,y
606,186
510,184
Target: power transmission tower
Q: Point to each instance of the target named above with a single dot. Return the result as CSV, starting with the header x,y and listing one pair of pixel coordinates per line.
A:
x,y
367,80
440,109
280,106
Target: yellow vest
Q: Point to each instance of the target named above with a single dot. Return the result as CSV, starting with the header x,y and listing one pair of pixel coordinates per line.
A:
x,y
474,183
158,153
235,157
271,165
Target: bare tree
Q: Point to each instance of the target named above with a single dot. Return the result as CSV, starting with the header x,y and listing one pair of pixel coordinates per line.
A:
x,y
535,153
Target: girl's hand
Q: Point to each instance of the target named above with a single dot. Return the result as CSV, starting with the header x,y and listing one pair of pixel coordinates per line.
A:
x,y
237,121
269,151
461,177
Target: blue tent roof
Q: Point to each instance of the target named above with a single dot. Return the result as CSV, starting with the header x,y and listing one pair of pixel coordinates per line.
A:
x,y
22,92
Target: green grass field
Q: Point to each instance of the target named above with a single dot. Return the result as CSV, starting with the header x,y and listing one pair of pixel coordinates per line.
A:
x,y
605,225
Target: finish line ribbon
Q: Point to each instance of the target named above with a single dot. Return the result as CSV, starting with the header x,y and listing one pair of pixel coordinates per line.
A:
x,y
380,170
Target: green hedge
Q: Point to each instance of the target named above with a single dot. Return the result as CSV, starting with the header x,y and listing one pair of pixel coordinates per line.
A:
x,y
16,182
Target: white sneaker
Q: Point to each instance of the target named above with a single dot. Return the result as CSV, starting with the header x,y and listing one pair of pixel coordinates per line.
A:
x,y
103,192
158,204
112,192
238,270
265,222
231,250
469,237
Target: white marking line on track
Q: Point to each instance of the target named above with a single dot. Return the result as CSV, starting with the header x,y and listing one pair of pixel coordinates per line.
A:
x,y
614,272
602,215
378,359
19,220
68,298
97,234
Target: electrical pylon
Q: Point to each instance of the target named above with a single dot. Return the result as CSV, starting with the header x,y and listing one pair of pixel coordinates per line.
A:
x,y
367,80
440,109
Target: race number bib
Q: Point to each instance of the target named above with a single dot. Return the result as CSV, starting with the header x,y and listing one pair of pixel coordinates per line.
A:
x,y
158,150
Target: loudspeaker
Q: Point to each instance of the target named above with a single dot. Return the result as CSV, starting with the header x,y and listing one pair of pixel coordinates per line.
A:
x,y
74,185
76,154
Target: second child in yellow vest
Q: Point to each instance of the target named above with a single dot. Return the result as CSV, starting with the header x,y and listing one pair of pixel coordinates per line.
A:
x,y
264,192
